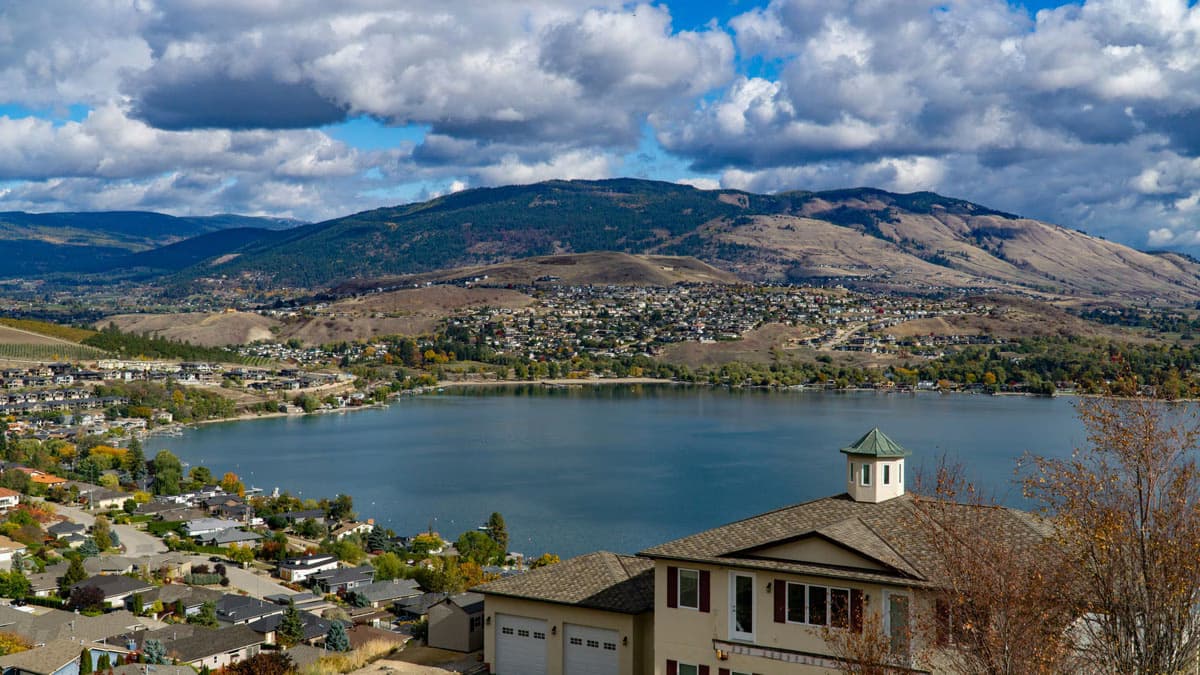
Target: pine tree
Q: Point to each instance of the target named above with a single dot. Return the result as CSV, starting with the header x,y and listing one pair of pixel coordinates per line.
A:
x,y
85,661
498,531
75,574
291,627
336,639
155,652
377,539
135,460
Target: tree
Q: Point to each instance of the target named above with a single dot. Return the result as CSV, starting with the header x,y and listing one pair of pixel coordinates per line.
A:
x,y
347,551
388,566
137,603
336,639
232,484
74,574
101,533
11,643
498,531
135,461
291,626
201,475
86,599
377,540
207,616
544,560
241,554
478,547
89,548
155,652
18,562
85,662
104,663
1126,511
168,473
341,508
14,584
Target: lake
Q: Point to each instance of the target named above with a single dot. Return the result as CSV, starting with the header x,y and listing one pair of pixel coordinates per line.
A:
x,y
617,468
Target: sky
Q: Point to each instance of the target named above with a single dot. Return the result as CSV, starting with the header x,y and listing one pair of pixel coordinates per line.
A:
x,y
1085,114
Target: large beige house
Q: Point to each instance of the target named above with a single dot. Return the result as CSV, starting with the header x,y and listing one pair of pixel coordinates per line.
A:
x,y
758,596
590,614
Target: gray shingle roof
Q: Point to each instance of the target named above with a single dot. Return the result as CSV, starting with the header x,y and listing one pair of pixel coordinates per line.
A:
x,y
890,532
602,580
208,642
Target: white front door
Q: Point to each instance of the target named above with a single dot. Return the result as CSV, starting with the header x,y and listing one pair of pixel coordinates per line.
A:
x,y
520,645
741,606
589,651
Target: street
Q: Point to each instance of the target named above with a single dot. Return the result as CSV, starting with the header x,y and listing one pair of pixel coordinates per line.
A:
x,y
137,543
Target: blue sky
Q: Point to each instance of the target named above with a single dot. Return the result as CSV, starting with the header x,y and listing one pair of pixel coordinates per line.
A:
x,y
1084,114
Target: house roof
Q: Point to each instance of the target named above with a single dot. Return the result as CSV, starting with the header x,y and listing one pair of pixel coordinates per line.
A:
x,y
314,626
49,658
65,527
235,608
56,624
7,544
5,492
602,580
344,575
307,562
233,536
468,602
875,443
207,642
381,591
420,604
114,584
891,533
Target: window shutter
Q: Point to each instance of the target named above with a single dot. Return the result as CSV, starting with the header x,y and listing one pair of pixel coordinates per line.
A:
x,y
941,611
856,610
672,667
703,670
704,590
780,588
722,671
672,587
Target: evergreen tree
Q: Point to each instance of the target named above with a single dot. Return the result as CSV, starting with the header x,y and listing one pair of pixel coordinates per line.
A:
x,y
104,663
18,562
75,574
155,652
336,639
102,533
207,616
291,627
89,548
85,662
135,461
498,531
377,539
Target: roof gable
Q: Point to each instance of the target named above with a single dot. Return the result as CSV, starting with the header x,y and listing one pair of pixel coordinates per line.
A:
x,y
602,580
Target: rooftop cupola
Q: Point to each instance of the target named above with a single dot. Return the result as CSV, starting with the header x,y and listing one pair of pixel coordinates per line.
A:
x,y
875,468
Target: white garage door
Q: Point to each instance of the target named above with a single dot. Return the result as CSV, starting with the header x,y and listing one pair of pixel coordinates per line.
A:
x,y
589,651
520,646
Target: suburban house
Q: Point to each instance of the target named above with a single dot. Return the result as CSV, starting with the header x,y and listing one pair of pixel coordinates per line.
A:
x,y
232,536
350,529
8,549
115,587
343,580
760,595
297,570
215,648
9,499
384,593
314,631
593,613
237,610
417,607
60,657
191,598
206,526
456,623
64,528
41,477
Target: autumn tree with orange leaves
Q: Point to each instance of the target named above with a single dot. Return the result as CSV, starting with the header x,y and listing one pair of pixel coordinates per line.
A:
x,y
1126,510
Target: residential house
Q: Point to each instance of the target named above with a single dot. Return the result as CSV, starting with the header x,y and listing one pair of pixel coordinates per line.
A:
x,y
191,598
386,593
8,549
593,613
237,610
60,657
115,587
314,631
215,648
207,526
98,496
46,626
232,536
64,528
293,517
9,499
417,607
343,580
456,623
350,529
758,595
41,477
297,570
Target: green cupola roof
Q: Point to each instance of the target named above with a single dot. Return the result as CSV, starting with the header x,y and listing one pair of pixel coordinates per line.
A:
x,y
876,444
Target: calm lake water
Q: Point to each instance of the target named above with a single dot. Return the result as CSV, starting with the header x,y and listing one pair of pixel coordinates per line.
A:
x,y
616,468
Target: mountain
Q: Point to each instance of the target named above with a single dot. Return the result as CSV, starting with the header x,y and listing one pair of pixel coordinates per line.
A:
x,y
79,242
864,237
222,244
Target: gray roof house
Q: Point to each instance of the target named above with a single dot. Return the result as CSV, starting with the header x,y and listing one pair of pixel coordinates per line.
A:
x,y
456,623
232,536
343,580
58,657
115,587
315,627
382,593
236,610
216,648
66,527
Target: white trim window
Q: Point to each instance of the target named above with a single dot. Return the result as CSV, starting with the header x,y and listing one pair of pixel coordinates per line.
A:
x,y
815,605
689,588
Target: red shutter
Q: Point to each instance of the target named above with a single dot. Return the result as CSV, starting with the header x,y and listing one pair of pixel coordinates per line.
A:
x,y
856,610
672,587
704,590
780,588
703,670
672,667
941,611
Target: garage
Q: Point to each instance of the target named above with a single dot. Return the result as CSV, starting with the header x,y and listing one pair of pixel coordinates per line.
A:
x,y
520,645
589,651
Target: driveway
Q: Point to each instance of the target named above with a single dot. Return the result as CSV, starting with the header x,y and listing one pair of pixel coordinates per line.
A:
x,y
138,544
254,582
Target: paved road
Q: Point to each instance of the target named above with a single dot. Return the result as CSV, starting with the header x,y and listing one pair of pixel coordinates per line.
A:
x,y
252,581
137,543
